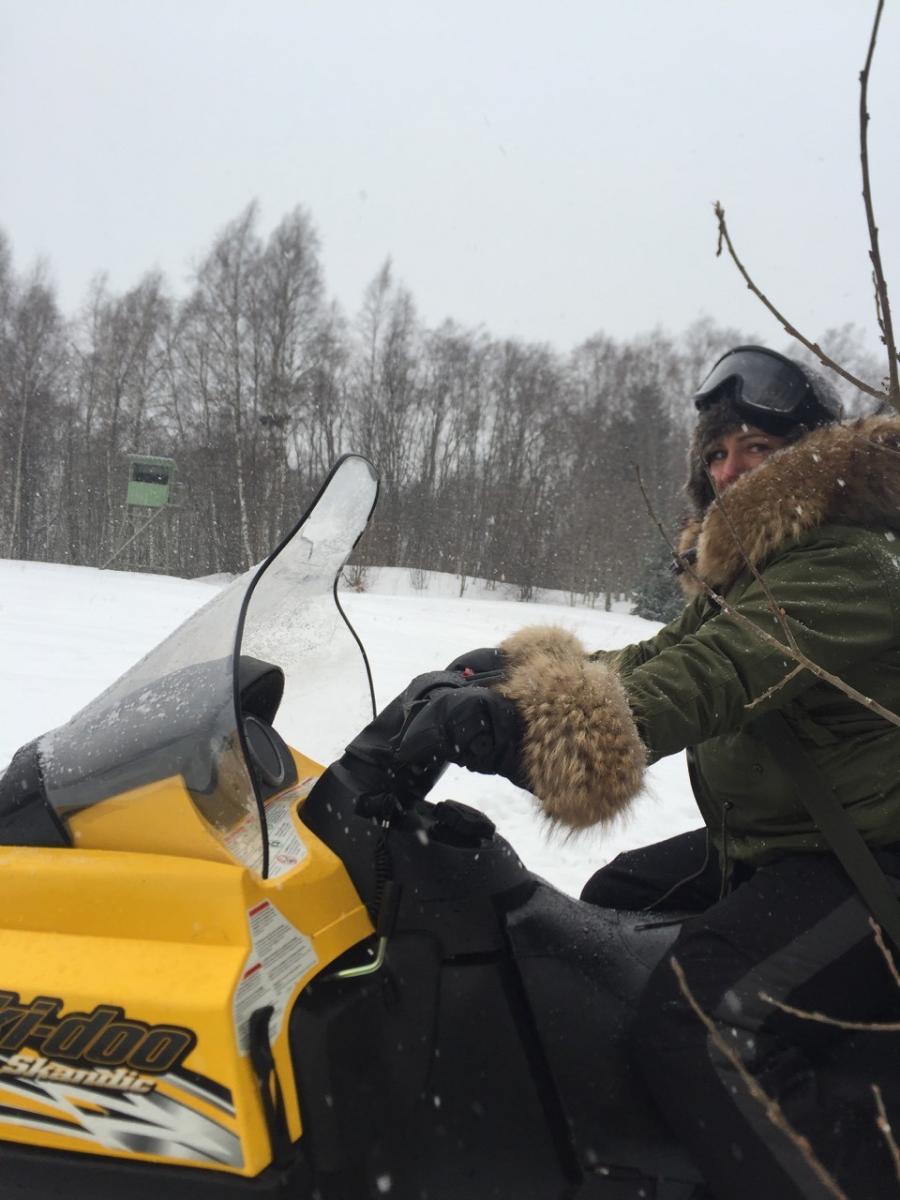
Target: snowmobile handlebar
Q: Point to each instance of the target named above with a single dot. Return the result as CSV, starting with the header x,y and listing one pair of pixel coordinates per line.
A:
x,y
372,757
406,749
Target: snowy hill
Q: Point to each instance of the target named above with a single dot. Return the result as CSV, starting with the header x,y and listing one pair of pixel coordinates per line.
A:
x,y
67,632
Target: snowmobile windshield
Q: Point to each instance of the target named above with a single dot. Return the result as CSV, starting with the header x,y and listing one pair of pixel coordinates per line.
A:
x,y
271,649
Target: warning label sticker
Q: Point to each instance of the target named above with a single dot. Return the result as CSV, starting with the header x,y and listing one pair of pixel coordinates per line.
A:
x,y
286,847
279,957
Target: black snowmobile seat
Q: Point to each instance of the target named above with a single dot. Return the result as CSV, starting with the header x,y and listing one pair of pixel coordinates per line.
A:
x,y
584,969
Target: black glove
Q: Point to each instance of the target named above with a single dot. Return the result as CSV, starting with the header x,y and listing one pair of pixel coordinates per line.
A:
x,y
485,661
475,727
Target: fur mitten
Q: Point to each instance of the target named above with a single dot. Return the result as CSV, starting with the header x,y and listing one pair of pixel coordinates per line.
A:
x,y
581,752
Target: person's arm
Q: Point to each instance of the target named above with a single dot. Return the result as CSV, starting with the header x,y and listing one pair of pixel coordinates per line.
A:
x,y
589,729
625,659
841,602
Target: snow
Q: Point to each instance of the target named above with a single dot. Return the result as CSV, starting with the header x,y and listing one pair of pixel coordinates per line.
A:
x,y
67,632
401,581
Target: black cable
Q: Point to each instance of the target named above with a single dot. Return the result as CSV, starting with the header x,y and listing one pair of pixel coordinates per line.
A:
x,y
358,641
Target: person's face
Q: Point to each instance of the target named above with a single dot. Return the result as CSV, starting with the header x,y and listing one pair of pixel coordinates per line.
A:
x,y
734,454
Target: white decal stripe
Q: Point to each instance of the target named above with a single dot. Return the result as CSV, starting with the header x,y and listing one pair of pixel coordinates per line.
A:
x,y
147,1124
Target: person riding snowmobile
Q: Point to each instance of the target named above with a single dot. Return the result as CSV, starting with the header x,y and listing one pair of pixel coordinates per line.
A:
x,y
794,532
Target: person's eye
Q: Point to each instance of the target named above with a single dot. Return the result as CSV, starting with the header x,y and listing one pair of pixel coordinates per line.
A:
x,y
714,456
760,447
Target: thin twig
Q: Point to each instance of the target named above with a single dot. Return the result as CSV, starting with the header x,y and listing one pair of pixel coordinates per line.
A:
x,y
769,1105
776,608
776,687
738,617
806,1014
884,1127
885,951
814,347
882,304
878,446
804,661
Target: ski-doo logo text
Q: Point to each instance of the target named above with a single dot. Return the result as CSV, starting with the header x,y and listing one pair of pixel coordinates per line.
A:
x,y
101,1038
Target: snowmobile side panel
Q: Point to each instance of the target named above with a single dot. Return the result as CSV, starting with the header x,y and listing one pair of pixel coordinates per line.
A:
x,y
108,957
482,1114
445,1100
377,1032
126,990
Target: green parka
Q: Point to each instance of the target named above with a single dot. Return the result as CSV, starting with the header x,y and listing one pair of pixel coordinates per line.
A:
x,y
819,523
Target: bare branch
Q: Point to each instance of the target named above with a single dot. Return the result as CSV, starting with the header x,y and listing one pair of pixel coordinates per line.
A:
x,y
885,952
818,1018
814,347
776,687
882,304
738,617
884,1128
804,661
769,1105
863,441
776,608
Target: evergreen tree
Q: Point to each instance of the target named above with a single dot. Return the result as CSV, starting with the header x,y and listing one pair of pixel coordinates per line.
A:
x,y
657,596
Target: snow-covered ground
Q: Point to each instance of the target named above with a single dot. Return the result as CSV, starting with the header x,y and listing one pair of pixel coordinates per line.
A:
x,y
67,632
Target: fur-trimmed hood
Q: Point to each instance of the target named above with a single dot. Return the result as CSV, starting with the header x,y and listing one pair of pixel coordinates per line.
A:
x,y
840,474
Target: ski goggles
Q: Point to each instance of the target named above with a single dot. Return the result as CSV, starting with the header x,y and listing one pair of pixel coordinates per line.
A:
x,y
764,382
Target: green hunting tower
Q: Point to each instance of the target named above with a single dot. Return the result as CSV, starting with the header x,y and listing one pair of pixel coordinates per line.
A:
x,y
150,480
145,533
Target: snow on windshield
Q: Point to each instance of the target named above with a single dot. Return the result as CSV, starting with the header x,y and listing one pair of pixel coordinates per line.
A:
x,y
292,621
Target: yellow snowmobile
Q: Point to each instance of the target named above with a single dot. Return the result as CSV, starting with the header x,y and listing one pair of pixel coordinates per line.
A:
x,y
230,972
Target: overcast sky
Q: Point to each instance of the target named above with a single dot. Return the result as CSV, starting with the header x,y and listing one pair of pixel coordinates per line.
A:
x,y
544,169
